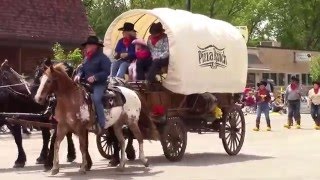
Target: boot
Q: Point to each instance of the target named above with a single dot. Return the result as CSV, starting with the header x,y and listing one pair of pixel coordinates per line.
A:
x,y
289,124
257,128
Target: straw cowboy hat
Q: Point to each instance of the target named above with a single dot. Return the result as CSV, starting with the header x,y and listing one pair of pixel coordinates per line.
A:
x,y
93,40
139,41
127,27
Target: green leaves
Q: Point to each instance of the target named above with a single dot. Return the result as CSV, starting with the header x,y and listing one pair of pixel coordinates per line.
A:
x,y
74,57
315,68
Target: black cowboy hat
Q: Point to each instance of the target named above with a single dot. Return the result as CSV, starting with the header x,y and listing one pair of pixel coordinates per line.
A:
x,y
127,27
92,40
262,83
156,28
294,78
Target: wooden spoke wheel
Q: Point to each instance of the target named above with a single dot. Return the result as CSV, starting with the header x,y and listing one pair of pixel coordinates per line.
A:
x,y
105,145
174,139
233,130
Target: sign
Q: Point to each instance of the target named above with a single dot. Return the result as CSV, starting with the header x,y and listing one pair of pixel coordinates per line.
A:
x,y
211,56
244,32
302,57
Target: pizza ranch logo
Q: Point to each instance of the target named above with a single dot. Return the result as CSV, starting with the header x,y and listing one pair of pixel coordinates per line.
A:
x,y
213,57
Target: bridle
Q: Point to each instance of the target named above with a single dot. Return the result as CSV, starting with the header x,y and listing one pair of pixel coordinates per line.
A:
x,y
9,87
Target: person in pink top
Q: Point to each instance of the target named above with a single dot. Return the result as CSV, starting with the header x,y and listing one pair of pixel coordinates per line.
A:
x,y
140,66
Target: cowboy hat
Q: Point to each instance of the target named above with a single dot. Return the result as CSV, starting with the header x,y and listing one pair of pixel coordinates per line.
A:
x,y
139,41
127,27
156,28
294,78
92,40
262,83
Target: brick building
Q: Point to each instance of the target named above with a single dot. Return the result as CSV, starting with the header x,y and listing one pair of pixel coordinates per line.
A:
x,y
29,28
279,64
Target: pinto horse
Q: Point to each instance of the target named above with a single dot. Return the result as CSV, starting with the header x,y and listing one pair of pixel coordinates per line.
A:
x,y
17,96
74,114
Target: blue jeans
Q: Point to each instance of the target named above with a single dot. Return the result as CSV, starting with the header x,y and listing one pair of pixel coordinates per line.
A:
x,y
294,111
263,108
119,68
98,92
315,113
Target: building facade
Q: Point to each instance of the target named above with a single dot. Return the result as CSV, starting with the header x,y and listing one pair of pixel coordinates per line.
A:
x,y
279,65
29,29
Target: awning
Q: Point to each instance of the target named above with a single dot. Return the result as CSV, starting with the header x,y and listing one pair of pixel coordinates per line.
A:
x,y
255,64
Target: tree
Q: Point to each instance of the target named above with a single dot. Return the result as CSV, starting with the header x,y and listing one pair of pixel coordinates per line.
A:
x,y
74,57
315,68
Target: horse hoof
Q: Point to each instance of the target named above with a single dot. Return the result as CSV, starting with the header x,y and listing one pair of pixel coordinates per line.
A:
x,y
41,160
47,167
19,165
71,159
88,168
54,171
146,164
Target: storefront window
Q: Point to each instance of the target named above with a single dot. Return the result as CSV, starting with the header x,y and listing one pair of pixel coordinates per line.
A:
x,y
251,79
281,79
273,76
304,79
309,79
265,76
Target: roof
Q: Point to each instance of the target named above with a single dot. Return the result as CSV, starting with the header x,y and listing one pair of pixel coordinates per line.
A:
x,y
44,21
254,63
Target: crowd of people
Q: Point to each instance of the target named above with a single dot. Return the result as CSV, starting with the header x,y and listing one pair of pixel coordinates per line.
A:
x,y
263,100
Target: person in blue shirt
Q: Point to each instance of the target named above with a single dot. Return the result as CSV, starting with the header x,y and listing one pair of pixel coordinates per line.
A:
x,y
95,70
124,52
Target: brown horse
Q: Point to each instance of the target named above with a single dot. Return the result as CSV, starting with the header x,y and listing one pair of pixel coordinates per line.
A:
x,y
74,113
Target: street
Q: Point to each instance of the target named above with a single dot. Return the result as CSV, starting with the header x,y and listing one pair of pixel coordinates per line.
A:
x,y
279,154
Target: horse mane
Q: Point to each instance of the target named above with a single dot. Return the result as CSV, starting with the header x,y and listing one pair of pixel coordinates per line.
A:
x,y
60,67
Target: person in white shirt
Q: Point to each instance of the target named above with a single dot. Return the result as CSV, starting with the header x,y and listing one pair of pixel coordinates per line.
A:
x,y
314,103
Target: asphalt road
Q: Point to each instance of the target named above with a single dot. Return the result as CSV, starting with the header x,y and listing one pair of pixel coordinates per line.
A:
x,y
279,154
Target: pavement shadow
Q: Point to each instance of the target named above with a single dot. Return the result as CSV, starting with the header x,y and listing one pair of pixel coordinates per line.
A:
x,y
36,168
204,159
130,172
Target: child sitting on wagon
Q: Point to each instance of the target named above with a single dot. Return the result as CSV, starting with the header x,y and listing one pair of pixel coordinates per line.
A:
x,y
139,66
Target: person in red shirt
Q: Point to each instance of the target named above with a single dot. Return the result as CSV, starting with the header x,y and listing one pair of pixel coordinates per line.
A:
x,y
262,98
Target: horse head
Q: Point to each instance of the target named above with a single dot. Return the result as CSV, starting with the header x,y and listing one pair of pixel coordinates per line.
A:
x,y
54,78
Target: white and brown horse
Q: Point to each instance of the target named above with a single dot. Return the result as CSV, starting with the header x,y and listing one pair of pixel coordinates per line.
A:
x,y
73,114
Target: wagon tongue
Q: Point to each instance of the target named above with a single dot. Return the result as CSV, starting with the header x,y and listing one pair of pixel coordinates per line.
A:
x,y
25,116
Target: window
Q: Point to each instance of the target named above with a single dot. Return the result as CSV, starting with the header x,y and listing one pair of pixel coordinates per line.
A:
x,y
265,76
309,79
281,80
273,76
304,79
251,79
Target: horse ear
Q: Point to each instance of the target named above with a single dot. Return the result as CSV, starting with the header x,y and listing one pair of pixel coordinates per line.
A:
x,y
51,68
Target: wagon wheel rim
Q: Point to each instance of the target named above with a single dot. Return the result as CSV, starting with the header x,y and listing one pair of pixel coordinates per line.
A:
x,y
233,130
107,145
174,140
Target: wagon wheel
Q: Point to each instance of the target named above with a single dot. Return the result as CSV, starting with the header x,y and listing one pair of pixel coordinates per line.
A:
x,y
174,139
233,130
105,145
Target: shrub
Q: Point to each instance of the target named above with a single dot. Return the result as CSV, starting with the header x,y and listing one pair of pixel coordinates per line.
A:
x,y
73,57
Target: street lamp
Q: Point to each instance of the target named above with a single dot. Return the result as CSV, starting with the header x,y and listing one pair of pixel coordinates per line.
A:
x,y
188,4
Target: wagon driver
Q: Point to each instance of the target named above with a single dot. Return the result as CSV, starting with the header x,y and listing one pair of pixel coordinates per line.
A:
x,y
95,70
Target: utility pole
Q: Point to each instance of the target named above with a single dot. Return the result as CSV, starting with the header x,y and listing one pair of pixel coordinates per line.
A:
x,y
188,4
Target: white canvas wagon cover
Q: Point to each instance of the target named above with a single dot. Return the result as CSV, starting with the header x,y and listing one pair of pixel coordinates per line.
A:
x,y
206,55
